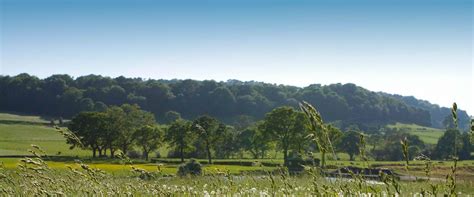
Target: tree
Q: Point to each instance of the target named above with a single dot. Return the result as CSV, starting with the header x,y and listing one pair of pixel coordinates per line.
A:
x,y
255,141
134,119
391,149
226,145
446,145
148,138
171,116
328,140
223,101
208,130
179,136
115,128
89,127
467,148
100,106
349,143
287,126
86,104
374,140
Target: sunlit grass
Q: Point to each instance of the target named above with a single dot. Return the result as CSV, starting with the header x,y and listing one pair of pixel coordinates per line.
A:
x,y
426,134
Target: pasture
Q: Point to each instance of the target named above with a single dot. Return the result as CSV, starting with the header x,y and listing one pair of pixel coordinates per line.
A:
x,y
224,176
426,134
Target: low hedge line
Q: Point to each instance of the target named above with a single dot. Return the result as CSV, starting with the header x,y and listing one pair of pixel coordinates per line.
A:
x,y
234,162
230,162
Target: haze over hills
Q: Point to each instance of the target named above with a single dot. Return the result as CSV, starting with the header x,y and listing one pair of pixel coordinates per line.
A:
x,y
231,101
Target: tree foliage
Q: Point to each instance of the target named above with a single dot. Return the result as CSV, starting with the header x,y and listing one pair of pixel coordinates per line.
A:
x,y
62,95
349,143
148,138
288,127
180,137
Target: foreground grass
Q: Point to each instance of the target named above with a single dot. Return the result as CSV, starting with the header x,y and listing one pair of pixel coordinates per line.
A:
x,y
33,177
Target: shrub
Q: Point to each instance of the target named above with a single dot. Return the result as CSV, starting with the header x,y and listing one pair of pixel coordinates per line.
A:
x,y
295,164
192,167
133,154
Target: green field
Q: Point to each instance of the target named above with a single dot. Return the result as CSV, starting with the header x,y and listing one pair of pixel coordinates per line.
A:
x,y
22,118
16,139
18,133
427,134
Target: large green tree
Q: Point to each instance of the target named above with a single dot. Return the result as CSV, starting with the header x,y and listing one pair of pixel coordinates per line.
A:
x,y
89,127
349,143
288,128
134,119
148,137
447,145
226,146
180,137
254,140
207,128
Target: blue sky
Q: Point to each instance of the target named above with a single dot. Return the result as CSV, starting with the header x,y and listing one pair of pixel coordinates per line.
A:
x,y
410,47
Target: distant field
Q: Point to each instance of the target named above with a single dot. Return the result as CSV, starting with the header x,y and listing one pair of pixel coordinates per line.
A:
x,y
427,134
23,118
16,139
19,132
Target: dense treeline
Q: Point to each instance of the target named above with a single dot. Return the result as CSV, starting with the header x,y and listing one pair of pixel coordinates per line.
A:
x,y
285,130
64,96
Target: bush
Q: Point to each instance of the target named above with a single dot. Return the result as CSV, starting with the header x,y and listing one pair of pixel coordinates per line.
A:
x,y
133,154
192,167
295,164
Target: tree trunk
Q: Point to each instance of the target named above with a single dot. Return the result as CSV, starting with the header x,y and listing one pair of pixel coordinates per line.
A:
x,y
285,156
124,149
182,154
112,152
145,155
208,149
323,159
351,157
100,152
255,155
94,152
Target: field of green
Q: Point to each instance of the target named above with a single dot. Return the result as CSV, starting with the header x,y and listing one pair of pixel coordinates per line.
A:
x,y
111,176
22,118
427,134
34,177
16,139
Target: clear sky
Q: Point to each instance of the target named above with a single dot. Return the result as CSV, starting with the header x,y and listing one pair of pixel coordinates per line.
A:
x,y
409,47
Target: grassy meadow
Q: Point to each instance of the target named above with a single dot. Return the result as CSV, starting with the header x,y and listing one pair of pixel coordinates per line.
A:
x,y
426,134
60,167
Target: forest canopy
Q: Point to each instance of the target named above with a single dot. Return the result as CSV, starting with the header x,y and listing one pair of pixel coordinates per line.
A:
x,y
230,101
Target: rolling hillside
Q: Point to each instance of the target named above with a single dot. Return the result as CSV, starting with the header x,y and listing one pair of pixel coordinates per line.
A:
x,y
18,133
427,134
